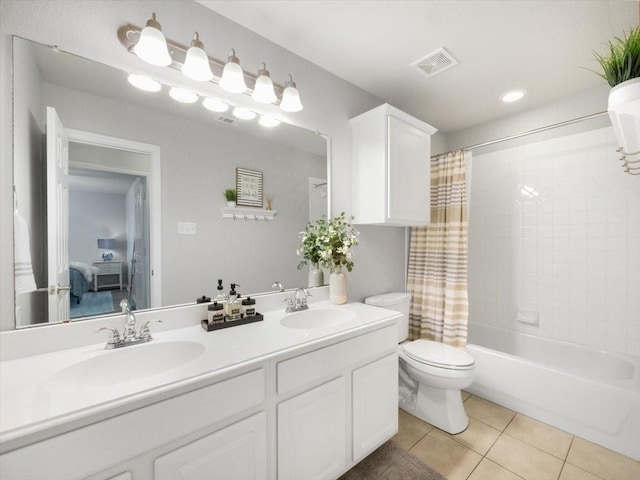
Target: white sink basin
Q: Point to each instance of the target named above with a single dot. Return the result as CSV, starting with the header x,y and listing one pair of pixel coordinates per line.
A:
x,y
126,364
317,318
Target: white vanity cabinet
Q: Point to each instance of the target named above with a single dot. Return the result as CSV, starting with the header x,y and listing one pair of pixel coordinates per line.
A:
x,y
391,157
336,405
227,418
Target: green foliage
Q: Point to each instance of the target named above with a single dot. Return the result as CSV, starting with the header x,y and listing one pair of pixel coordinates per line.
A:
x,y
623,61
329,243
230,194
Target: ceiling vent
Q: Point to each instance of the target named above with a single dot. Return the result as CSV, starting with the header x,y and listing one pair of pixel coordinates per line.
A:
x,y
435,63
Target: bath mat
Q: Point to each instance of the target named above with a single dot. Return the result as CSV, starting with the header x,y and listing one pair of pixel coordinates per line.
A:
x,y
92,303
391,462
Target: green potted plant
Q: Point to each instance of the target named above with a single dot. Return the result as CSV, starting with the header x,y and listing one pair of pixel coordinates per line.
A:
x,y
231,196
621,70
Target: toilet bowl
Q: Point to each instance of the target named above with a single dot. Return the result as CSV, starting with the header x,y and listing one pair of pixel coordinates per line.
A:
x,y
431,374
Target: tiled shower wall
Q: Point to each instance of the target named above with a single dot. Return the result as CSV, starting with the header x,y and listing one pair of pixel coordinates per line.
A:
x,y
554,230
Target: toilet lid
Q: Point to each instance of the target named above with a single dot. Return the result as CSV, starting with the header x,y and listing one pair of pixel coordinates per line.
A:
x,y
438,355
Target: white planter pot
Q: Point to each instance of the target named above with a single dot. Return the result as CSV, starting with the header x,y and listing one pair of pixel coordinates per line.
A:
x,y
624,112
231,204
316,276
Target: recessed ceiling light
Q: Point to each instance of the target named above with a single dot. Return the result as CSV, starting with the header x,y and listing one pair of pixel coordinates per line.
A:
x,y
215,105
183,95
513,96
243,113
144,83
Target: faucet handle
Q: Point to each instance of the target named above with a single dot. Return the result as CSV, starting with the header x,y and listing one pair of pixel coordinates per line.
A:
x,y
144,329
278,285
124,305
115,334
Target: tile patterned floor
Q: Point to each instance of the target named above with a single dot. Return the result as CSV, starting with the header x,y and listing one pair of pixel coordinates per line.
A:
x,y
500,444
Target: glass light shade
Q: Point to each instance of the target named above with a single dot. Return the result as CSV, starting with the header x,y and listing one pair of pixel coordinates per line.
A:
x,y
183,95
243,113
290,97
215,105
144,83
232,75
263,89
152,46
291,100
267,121
196,65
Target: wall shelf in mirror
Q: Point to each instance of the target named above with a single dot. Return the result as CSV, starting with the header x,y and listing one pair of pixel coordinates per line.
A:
x,y
255,214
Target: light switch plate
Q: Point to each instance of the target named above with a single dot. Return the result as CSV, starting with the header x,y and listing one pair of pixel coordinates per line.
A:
x,y
186,228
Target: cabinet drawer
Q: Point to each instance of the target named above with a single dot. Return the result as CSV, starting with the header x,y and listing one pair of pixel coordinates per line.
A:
x,y
109,268
94,448
314,366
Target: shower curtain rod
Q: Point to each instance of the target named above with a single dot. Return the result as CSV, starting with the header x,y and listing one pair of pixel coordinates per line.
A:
x,y
530,132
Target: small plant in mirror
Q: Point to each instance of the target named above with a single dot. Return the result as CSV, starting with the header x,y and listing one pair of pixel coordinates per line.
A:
x,y
230,194
328,243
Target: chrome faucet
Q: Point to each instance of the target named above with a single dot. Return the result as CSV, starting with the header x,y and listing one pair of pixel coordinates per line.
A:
x,y
129,335
299,301
278,285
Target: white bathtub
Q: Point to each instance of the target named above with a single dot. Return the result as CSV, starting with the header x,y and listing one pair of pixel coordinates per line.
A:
x,y
589,393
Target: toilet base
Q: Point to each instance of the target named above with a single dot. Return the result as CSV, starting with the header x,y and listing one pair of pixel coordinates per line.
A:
x,y
440,407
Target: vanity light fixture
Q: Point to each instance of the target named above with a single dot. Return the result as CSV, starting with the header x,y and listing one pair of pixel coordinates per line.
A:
x,y
244,113
268,121
290,96
183,95
263,90
196,65
513,96
215,105
144,83
152,46
232,75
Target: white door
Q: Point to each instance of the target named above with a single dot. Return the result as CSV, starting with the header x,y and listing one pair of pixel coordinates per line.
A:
x,y
237,452
57,218
312,433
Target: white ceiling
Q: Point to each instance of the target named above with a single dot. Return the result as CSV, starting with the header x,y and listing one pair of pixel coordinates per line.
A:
x,y
544,47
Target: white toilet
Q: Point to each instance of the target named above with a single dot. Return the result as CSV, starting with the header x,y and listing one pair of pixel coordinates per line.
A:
x,y
431,373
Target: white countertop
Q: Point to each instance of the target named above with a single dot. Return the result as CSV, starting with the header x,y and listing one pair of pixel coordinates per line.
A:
x,y
33,407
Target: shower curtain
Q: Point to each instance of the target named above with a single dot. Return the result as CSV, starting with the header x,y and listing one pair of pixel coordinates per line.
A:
x,y
437,273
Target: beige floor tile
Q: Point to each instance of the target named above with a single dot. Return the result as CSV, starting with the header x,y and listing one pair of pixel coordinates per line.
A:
x,y
410,430
465,395
569,472
489,413
540,435
446,456
524,459
478,436
487,470
602,462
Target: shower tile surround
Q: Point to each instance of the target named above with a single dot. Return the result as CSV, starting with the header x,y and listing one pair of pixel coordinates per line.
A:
x,y
554,227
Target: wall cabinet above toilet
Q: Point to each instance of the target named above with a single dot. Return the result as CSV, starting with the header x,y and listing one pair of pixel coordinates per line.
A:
x,y
391,156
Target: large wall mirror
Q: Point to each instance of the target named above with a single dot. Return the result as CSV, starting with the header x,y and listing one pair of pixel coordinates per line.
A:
x,y
141,197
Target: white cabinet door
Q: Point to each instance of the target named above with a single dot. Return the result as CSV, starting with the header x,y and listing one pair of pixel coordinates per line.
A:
x,y
237,452
409,173
312,433
375,405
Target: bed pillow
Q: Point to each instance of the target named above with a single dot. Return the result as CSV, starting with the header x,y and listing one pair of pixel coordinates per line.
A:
x,y
85,269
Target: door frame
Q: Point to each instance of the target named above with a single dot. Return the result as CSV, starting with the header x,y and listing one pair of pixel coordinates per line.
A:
x,y
153,196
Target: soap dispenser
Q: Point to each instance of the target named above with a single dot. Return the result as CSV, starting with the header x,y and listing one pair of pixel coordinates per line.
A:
x,y
233,308
220,297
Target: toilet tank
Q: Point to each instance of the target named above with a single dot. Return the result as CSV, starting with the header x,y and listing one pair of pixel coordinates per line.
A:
x,y
398,302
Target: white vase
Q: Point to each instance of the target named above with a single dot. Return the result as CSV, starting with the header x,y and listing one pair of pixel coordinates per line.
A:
x,y
338,287
316,276
231,204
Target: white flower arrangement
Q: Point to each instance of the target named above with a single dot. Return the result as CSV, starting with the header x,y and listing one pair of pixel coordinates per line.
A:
x,y
329,243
